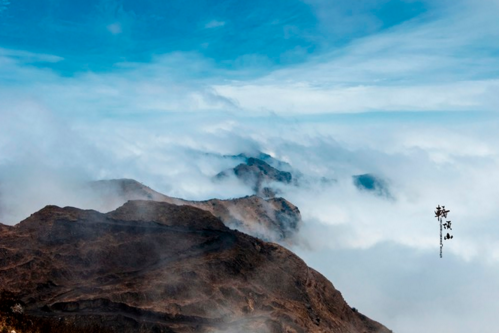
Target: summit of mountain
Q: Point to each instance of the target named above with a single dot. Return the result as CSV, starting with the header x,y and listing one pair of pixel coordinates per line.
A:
x,y
153,266
273,219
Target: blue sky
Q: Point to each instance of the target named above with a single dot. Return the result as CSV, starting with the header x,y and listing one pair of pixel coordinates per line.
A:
x,y
406,90
92,35
298,57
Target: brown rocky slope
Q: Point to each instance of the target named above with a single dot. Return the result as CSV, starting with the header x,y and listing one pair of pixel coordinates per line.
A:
x,y
272,219
157,267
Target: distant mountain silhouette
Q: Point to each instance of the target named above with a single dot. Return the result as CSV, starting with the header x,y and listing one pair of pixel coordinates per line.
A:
x,y
371,183
259,175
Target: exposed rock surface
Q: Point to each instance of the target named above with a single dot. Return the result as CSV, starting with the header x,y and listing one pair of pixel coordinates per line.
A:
x,y
157,267
273,219
258,175
274,162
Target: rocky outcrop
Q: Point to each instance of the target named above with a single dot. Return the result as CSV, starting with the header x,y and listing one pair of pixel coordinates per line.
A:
x,y
259,175
272,219
156,267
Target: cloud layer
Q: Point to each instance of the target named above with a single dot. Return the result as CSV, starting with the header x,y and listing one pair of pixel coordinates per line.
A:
x,y
380,242
410,98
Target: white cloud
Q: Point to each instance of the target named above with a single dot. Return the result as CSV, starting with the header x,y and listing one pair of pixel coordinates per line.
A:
x,y
156,122
305,98
214,24
115,28
381,254
27,57
441,62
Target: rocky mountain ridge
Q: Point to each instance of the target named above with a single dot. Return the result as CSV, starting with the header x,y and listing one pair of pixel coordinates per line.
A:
x,y
157,267
259,175
273,219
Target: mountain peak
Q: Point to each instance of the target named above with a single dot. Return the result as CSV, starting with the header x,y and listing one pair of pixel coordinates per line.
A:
x,y
257,174
166,214
156,267
262,217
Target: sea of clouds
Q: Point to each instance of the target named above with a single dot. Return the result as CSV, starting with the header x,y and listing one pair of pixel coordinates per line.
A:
x,y
380,251
415,106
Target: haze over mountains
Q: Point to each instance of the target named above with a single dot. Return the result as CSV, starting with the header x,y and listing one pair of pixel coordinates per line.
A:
x,y
268,218
249,174
169,93
387,244
156,267
164,264
264,213
258,175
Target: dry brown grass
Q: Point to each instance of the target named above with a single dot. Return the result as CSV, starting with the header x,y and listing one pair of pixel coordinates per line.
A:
x,y
14,320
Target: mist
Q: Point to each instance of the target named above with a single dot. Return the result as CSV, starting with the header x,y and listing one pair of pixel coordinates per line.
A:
x,y
414,104
387,245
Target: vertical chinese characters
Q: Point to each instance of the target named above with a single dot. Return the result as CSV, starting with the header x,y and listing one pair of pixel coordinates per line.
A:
x,y
441,214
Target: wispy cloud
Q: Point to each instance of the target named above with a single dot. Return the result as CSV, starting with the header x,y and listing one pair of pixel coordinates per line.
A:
x,y
167,122
4,5
214,24
305,98
162,86
445,62
115,28
24,57
382,244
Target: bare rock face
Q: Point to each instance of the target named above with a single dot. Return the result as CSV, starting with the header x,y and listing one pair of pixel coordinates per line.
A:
x,y
272,219
257,174
157,267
